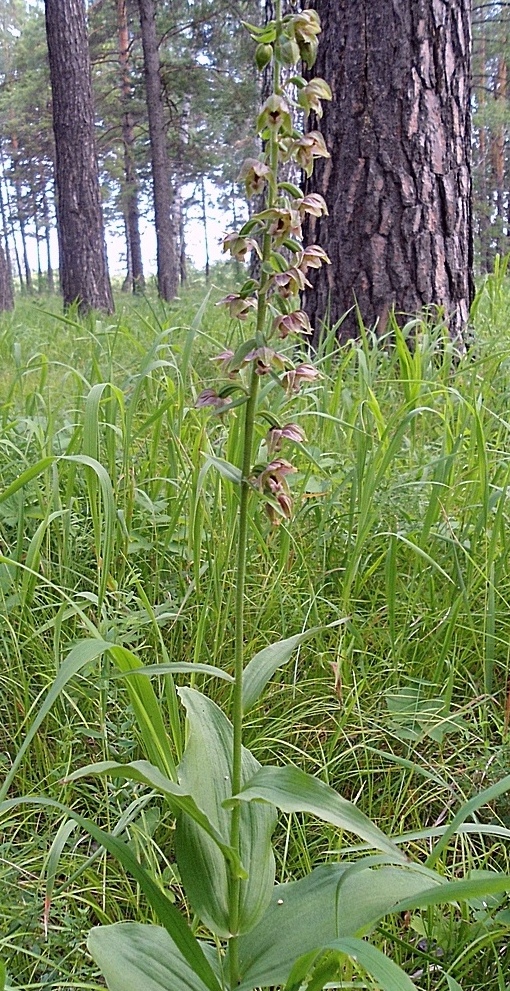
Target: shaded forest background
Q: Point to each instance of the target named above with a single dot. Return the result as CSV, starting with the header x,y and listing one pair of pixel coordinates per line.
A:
x,y
210,91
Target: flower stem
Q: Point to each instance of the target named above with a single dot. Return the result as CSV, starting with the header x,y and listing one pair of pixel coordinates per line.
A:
x,y
242,552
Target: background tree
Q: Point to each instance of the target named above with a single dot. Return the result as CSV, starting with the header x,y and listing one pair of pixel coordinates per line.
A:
x,y
397,184
83,265
165,231
6,288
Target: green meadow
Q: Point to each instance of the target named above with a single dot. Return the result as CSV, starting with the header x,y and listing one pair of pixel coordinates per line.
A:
x,y
118,523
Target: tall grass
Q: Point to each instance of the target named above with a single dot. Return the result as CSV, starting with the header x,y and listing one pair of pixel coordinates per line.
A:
x,y
112,521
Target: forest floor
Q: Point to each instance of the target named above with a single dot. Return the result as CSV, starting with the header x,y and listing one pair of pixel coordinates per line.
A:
x,y
401,525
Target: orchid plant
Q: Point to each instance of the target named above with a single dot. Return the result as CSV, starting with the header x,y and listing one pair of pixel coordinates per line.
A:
x,y
253,932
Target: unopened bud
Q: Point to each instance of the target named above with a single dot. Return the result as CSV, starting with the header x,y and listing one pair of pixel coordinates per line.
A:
x,y
263,56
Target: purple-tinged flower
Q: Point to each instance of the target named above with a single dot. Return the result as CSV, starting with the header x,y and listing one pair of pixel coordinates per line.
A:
x,y
310,96
312,203
224,360
291,282
240,246
285,504
313,257
276,435
238,306
296,322
265,359
275,115
293,379
306,25
309,147
272,481
254,174
209,397
273,475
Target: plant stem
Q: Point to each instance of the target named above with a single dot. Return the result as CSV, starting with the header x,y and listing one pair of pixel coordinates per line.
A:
x,y
242,551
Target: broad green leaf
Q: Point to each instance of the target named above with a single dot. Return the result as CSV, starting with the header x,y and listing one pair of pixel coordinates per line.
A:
x,y
291,790
332,902
179,799
135,957
262,667
147,711
225,468
83,653
205,773
166,912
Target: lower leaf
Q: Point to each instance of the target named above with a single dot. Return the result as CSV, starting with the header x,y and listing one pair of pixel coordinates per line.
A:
x,y
133,957
334,901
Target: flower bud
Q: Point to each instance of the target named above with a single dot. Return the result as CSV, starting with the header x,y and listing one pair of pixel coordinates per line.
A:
x,y
263,56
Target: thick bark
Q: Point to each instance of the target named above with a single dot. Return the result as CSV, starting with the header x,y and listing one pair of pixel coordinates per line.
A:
x,y
165,233
132,213
398,183
83,264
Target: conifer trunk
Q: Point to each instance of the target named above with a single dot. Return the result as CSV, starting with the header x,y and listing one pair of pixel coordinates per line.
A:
x,y
83,265
132,214
398,183
165,233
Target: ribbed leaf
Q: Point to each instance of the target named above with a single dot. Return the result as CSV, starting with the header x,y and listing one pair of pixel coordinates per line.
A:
x,y
291,790
334,901
135,957
206,773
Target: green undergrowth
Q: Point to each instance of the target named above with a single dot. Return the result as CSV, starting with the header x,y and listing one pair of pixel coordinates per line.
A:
x,y
114,518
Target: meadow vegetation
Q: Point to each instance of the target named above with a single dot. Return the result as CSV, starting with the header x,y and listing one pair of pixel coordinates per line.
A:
x,y
401,528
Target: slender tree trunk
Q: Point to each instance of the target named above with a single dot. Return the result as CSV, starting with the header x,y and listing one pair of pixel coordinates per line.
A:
x,y
6,290
12,234
20,211
398,183
83,263
165,233
206,235
484,206
132,213
47,229
5,234
498,149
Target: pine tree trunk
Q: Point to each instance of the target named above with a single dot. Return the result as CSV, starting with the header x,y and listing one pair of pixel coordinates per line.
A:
x,y
132,213
165,233
398,183
6,290
83,264
47,229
